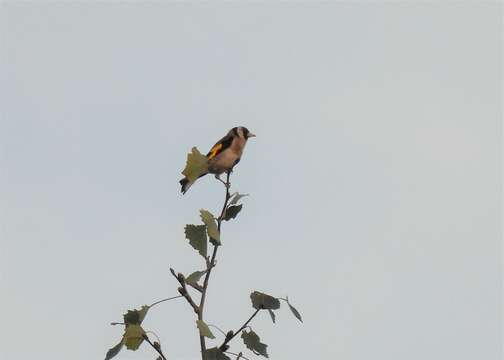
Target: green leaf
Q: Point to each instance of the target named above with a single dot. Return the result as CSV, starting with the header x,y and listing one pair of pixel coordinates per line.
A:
x,y
135,317
215,354
212,230
196,234
294,311
272,314
133,336
264,301
204,330
236,197
232,211
196,165
194,277
114,351
253,342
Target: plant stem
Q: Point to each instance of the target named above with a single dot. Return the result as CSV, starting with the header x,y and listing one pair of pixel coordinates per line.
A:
x,y
157,348
211,264
239,330
238,356
163,300
183,290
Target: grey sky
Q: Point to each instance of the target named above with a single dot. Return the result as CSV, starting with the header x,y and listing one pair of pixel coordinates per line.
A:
x,y
375,178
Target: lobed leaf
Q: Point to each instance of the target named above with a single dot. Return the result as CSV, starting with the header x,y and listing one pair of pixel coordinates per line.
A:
x,y
264,301
196,234
114,351
204,330
253,342
133,336
196,165
232,211
212,229
133,333
215,354
135,317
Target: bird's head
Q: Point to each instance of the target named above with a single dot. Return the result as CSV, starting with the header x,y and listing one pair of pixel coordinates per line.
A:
x,y
242,132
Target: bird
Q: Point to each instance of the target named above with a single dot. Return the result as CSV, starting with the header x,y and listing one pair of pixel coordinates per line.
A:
x,y
224,155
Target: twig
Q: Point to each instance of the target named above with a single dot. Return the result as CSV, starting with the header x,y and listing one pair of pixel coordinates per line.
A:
x,y
156,346
163,300
232,335
238,356
222,181
151,305
157,337
183,290
211,264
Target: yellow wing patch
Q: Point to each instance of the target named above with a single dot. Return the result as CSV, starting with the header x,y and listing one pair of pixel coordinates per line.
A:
x,y
214,151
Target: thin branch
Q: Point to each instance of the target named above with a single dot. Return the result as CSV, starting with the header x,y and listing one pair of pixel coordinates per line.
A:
x,y
238,356
151,305
211,263
156,335
156,346
222,181
227,184
229,338
163,300
183,290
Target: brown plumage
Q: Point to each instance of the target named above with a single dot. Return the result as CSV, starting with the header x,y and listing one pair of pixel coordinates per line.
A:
x,y
225,154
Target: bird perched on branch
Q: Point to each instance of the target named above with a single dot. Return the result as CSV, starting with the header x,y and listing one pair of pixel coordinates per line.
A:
x,y
224,155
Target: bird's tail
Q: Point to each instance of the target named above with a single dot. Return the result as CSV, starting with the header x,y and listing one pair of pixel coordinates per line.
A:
x,y
186,184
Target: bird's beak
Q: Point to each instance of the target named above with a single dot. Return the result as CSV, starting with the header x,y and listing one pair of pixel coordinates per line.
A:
x,y
251,135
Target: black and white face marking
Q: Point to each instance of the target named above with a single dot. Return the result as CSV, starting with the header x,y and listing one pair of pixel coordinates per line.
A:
x,y
241,132
244,132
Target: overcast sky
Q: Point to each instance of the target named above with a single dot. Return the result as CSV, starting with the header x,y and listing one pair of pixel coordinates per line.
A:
x,y
375,176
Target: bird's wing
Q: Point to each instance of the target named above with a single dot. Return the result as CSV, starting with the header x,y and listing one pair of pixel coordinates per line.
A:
x,y
220,146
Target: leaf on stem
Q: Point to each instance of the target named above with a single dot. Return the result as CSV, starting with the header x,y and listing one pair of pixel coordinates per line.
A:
x,y
215,354
196,234
294,311
236,197
194,277
232,211
196,165
272,314
253,342
114,351
264,301
135,317
133,333
133,336
204,330
212,229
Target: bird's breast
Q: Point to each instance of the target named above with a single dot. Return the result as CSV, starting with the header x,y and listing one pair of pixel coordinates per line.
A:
x,y
227,158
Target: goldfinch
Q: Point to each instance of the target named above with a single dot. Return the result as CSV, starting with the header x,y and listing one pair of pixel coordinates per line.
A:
x,y
225,154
